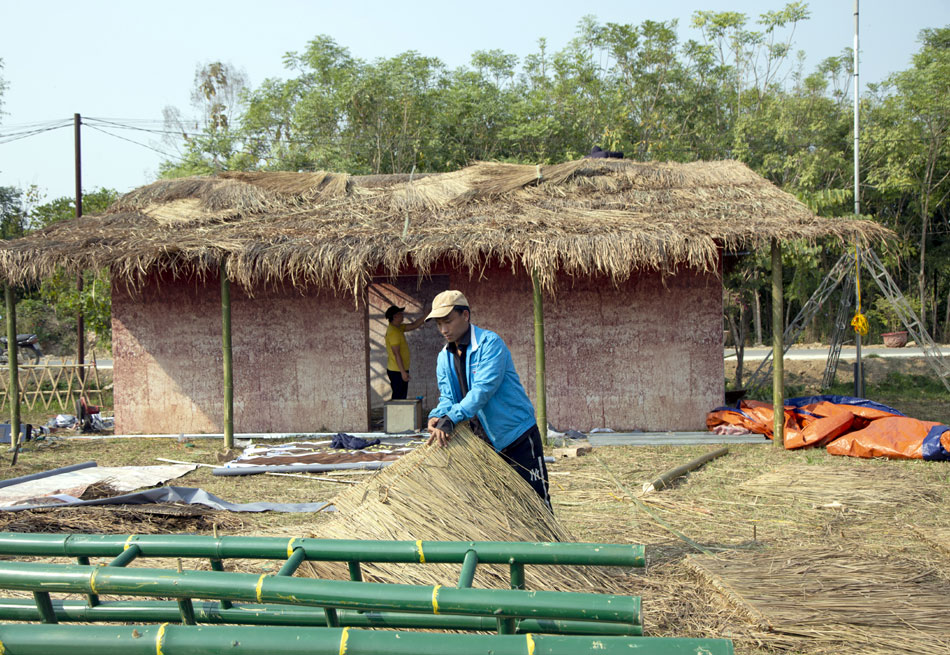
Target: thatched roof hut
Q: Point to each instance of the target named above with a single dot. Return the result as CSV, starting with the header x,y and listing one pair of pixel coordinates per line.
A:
x,y
585,217
632,250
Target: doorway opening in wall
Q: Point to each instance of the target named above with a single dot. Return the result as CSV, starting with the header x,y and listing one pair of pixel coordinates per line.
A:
x,y
415,294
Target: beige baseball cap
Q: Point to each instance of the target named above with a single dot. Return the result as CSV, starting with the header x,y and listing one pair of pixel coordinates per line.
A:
x,y
445,302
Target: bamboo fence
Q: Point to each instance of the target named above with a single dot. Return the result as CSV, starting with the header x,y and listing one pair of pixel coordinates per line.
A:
x,y
46,385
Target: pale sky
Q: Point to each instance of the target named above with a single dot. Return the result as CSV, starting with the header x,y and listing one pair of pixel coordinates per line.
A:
x,y
126,60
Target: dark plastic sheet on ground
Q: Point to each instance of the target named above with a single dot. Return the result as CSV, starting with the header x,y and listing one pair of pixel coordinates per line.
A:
x,y
187,495
844,426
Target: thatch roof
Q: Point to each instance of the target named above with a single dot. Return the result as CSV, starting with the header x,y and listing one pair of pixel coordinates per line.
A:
x,y
606,217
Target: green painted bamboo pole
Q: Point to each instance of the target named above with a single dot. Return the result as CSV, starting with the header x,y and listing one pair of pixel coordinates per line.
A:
x,y
778,349
126,556
187,611
44,606
216,565
293,562
91,599
250,640
14,389
467,574
211,612
541,389
499,603
332,550
226,352
356,573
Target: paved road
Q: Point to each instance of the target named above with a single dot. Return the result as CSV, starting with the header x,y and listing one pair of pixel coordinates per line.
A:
x,y
847,352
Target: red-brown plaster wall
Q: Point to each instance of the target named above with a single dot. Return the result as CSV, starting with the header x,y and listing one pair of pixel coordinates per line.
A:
x,y
299,360
645,355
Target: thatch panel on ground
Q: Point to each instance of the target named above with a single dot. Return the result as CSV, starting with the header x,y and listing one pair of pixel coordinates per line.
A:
x,y
859,602
863,487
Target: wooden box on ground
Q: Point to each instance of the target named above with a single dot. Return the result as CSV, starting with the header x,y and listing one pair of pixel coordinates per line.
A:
x,y
402,415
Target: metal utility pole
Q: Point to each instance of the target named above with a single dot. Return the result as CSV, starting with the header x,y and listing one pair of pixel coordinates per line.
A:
x,y
858,367
80,323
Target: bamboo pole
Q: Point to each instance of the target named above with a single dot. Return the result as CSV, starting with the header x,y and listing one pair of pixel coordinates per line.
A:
x,y
514,553
778,349
367,596
664,479
173,639
163,611
14,394
542,399
226,352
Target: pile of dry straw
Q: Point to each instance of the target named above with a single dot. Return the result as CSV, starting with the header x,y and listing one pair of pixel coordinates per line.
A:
x,y
462,492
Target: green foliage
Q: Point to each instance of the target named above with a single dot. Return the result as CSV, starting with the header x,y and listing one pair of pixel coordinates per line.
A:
x,y
738,91
50,310
12,213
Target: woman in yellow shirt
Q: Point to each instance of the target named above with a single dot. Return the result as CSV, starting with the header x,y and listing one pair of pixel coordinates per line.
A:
x,y
397,350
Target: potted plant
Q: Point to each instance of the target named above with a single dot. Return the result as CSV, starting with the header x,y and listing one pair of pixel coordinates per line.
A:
x,y
884,312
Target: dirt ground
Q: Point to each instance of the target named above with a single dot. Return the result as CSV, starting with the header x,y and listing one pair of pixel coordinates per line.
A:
x,y
778,520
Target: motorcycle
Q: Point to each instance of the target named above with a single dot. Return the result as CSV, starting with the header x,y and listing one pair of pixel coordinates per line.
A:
x,y
28,346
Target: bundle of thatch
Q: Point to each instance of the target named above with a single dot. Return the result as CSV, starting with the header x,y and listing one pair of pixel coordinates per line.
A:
x,y
462,492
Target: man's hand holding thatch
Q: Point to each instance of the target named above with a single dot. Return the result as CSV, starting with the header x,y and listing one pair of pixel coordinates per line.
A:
x,y
437,433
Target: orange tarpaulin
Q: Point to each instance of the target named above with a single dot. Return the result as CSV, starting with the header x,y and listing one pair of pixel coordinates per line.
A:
x,y
847,426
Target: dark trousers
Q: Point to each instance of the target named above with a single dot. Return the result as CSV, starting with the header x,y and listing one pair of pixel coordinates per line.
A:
x,y
526,456
400,386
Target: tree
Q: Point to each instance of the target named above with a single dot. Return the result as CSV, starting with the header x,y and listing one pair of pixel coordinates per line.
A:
x,y
58,293
212,140
910,139
12,213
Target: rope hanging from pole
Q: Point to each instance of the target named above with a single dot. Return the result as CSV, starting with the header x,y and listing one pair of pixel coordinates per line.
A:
x,y
860,321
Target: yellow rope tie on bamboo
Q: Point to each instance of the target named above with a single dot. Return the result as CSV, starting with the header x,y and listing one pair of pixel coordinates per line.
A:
x,y
290,546
128,542
260,587
92,580
343,637
2,649
159,638
422,556
435,598
530,641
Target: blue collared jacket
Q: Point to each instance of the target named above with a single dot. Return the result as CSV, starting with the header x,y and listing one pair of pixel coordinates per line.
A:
x,y
495,393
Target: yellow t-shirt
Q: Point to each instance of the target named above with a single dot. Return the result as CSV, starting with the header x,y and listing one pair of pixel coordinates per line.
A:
x,y
396,336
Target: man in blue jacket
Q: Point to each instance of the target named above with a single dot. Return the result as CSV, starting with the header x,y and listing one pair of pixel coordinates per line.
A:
x,y
478,383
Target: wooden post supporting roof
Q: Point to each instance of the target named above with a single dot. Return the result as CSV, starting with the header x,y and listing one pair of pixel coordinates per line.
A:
x,y
542,400
778,348
14,395
226,352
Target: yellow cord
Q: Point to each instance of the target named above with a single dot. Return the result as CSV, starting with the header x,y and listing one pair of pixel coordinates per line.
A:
x,y
159,638
422,556
860,321
435,598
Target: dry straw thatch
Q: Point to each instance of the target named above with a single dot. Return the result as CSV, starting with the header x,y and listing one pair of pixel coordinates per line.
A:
x,y
462,492
585,217
864,487
869,603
